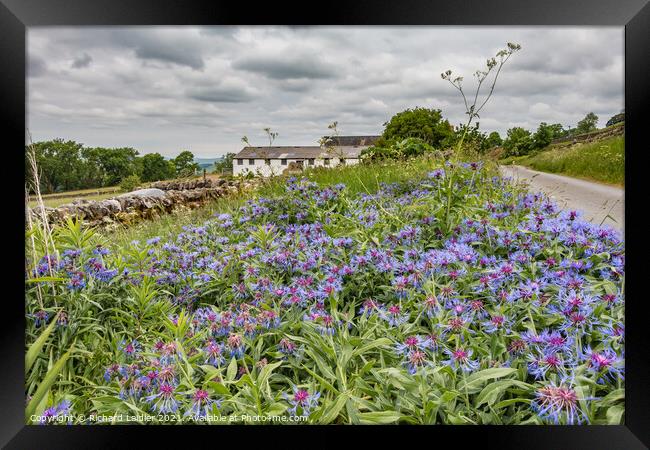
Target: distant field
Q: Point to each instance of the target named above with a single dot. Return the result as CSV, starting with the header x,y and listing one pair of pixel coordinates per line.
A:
x,y
60,198
602,161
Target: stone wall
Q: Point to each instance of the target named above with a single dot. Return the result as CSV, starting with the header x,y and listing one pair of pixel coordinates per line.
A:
x,y
592,137
132,207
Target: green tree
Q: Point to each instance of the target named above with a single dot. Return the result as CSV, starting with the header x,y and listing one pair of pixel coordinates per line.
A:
x,y
116,163
60,164
155,167
93,174
185,165
425,124
130,183
225,163
494,139
471,137
519,141
546,133
620,117
587,124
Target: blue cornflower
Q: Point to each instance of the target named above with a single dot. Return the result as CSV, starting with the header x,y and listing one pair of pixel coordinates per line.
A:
x,y
605,364
56,413
559,404
153,240
202,404
164,401
460,358
40,317
130,349
301,401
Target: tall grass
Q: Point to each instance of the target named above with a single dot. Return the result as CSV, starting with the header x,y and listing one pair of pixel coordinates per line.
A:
x,y
602,161
171,224
361,177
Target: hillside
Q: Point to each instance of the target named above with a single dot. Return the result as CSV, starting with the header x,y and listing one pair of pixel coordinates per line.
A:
x,y
597,156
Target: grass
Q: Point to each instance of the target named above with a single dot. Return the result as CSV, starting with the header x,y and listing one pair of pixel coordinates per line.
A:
x,y
357,178
360,178
602,161
61,198
171,224
54,202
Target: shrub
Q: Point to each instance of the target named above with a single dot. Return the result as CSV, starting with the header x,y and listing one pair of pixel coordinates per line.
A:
x,y
407,148
130,183
422,123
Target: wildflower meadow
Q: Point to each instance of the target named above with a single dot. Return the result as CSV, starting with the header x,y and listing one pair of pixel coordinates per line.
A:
x,y
455,297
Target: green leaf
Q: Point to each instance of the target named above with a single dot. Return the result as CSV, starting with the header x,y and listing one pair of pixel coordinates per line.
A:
x,y
37,346
231,372
492,391
219,388
615,415
266,373
379,417
376,343
511,401
484,375
44,279
46,384
612,397
334,409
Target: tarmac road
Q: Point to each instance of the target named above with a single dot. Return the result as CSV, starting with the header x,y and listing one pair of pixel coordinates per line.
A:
x,y
595,200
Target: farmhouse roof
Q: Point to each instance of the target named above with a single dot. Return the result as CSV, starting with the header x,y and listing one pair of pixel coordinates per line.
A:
x,y
351,140
298,152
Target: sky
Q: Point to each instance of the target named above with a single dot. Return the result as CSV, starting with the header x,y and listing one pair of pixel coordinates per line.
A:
x,y
168,89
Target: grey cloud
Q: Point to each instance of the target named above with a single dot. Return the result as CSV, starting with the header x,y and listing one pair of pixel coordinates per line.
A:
x,y
166,88
219,94
36,66
286,67
166,47
169,54
82,61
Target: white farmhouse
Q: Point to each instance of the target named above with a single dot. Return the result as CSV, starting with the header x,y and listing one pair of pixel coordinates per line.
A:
x,y
273,160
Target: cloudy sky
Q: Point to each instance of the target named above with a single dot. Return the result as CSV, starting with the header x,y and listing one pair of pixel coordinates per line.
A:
x,y
165,89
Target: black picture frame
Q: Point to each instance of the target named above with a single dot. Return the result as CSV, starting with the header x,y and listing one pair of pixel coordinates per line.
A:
x,y
634,15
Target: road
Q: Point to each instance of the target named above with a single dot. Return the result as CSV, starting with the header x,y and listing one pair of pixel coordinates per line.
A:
x,y
595,200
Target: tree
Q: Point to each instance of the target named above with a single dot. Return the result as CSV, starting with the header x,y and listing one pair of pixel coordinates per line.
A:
x,y
155,167
130,183
494,140
518,142
185,165
60,164
546,133
422,123
225,163
471,137
116,163
620,117
587,124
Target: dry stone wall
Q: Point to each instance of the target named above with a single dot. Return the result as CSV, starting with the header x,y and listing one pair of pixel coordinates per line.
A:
x,y
132,207
592,137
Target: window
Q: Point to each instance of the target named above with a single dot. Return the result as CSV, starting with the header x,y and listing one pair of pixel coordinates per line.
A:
x,y
251,162
311,161
326,161
284,162
268,162
240,162
342,161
